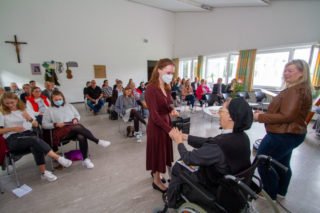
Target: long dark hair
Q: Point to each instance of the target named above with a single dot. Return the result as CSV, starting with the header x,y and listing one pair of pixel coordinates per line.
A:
x,y
154,80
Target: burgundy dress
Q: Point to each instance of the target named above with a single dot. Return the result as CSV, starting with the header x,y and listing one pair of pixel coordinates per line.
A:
x,y
159,144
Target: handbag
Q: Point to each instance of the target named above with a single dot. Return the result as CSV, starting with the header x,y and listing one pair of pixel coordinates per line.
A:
x,y
182,123
74,155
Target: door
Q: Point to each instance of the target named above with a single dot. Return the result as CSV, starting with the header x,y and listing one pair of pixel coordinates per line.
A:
x,y
151,65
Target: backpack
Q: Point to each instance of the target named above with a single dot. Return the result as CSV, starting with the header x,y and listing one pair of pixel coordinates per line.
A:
x,y
113,115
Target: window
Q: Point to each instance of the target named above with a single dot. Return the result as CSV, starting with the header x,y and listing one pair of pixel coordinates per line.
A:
x,y
233,62
302,53
188,68
313,61
269,68
216,68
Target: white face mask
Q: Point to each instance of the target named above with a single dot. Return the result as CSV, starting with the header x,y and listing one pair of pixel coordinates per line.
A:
x,y
167,78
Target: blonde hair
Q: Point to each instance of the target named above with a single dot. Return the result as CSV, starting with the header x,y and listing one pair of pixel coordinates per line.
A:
x,y
9,95
303,67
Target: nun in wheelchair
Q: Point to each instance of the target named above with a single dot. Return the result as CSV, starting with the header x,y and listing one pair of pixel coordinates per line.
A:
x,y
213,157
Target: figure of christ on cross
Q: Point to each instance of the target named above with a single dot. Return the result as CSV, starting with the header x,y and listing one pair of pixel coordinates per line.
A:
x,y
16,43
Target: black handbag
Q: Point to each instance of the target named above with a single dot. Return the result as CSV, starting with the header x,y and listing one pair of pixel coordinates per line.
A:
x,y
182,123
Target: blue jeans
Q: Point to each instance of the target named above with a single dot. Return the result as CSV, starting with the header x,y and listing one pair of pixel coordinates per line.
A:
x,y
95,107
279,147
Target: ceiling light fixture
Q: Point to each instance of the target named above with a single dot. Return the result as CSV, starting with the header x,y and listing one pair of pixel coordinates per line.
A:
x,y
197,4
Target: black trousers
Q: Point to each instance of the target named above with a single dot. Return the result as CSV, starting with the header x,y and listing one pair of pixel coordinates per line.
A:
x,y
136,117
28,141
109,101
82,134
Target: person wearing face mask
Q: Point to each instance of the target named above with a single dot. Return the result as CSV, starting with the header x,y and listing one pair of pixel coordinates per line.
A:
x,y
16,126
64,119
159,102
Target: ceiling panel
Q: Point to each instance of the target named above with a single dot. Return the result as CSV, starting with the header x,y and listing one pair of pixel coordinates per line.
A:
x,y
198,5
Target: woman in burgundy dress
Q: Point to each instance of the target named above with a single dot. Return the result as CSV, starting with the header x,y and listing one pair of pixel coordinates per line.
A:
x,y
159,102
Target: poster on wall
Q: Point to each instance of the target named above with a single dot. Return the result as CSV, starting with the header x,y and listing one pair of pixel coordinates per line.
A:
x,y
35,69
100,71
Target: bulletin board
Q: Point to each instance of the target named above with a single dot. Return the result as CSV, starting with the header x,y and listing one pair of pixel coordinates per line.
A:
x,y
100,71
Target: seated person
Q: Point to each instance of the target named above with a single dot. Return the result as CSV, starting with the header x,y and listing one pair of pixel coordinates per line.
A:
x,y
228,153
107,93
15,89
217,91
37,103
231,86
16,123
142,87
201,92
117,92
94,97
187,94
49,88
64,119
26,94
144,107
85,90
126,106
175,86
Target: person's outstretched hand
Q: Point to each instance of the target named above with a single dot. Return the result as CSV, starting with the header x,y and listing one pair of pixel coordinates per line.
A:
x,y
174,113
176,135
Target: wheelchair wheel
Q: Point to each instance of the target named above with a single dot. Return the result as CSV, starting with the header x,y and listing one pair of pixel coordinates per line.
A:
x,y
190,208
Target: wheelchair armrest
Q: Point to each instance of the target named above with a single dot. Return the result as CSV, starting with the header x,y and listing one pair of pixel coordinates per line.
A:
x,y
197,187
242,185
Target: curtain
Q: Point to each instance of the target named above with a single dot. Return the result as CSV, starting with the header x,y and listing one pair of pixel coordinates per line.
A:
x,y
245,68
316,74
176,71
200,67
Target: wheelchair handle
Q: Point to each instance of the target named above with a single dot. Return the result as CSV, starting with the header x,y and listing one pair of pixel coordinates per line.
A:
x,y
242,185
274,162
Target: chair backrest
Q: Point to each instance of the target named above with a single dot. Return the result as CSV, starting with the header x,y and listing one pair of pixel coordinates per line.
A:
x,y
244,95
260,96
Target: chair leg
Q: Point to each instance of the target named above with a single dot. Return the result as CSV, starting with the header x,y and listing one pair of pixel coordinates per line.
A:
x,y
15,172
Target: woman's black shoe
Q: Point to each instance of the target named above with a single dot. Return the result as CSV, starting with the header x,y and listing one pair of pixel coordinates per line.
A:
x,y
163,180
157,188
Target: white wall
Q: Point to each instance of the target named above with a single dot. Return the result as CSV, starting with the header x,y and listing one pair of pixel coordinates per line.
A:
x,y
108,32
232,29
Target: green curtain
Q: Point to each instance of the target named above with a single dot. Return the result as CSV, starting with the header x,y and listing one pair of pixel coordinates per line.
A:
x,y
245,68
200,67
316,74
176,71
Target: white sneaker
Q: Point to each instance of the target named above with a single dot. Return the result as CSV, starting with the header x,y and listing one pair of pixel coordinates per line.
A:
x,y
64,162
138,137
48,176
87,163
104,143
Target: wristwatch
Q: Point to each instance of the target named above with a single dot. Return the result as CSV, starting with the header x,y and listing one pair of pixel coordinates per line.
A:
x,y
31,120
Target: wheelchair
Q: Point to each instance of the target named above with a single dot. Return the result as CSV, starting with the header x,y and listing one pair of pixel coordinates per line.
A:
x,y
234,193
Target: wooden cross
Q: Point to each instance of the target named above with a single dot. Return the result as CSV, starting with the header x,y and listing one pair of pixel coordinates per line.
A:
x,y
16,43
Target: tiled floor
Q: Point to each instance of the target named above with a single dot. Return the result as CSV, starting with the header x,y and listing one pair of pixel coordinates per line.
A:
x,y
119,182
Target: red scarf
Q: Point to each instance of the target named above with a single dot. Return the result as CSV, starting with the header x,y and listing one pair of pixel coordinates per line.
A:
x,y
34,103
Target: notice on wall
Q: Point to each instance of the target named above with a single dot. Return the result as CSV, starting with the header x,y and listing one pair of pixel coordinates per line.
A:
x,y
100,71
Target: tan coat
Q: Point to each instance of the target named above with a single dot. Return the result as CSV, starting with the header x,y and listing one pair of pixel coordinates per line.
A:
x,y
288,110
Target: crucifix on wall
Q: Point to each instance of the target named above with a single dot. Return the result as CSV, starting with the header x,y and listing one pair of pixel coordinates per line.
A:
x,y
16,43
